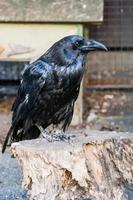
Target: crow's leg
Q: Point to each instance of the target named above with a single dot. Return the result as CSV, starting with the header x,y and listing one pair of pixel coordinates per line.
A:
x,y
45,133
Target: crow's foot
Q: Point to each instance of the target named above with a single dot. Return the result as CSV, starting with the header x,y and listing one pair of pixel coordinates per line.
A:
x,y
56,136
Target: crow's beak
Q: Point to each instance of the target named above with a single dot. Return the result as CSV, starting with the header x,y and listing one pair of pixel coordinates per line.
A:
x,y
93,45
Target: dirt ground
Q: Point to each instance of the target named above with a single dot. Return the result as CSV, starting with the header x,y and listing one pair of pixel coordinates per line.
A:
x,y
5,119
112,110
5,116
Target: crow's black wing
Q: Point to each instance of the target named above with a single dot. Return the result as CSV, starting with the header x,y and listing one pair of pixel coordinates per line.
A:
x,y
34,78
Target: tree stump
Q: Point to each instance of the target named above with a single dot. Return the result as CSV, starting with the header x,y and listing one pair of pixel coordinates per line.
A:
x,y
94,165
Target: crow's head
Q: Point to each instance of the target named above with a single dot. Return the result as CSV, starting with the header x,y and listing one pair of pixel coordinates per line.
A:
x,y
82,44
66,50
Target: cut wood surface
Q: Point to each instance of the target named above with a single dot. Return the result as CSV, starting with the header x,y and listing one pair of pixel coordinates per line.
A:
x,y
94,165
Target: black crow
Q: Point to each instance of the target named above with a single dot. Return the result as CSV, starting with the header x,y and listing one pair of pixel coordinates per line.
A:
x,y
49,88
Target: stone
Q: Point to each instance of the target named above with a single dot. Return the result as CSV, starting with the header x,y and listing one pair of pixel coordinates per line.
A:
x,y
51,11
93,165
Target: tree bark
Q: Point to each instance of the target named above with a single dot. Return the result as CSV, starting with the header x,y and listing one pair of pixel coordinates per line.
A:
x,y
92,166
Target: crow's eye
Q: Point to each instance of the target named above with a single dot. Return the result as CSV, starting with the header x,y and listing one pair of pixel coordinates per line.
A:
x,y
78,43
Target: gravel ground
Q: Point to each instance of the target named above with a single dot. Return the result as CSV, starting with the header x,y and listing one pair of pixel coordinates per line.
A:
x,y
10,172
10,179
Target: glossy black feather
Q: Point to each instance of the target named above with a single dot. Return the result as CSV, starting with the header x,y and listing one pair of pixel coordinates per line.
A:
x,y
49,89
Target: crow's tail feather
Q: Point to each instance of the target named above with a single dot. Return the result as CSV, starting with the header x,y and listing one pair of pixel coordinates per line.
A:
x,y
7,138
32,133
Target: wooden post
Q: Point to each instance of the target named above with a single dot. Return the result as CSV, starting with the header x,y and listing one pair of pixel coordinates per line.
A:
x,y
93,165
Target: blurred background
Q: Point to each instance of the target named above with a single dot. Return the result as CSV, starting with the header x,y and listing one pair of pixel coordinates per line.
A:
x,y
28,29
109,77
